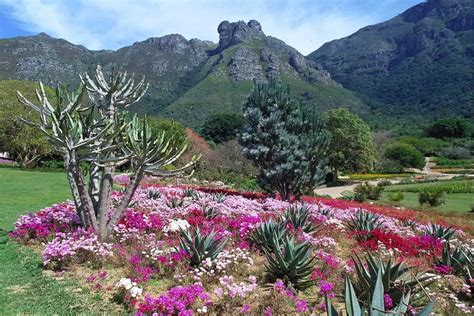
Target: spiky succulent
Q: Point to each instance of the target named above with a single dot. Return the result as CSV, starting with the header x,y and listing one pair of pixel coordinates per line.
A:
x,y
324,211
363,223
458,258
410,223
396,279
200,247
219,197
190,193
210,212
264,235
291,261
154,194
439,231
299,217
376,307
175,202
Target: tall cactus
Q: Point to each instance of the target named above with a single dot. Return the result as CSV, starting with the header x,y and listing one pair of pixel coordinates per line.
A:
x,y
104,136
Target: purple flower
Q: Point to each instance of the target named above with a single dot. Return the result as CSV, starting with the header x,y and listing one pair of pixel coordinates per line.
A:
x,y
388,302
301,306
245,309
325,287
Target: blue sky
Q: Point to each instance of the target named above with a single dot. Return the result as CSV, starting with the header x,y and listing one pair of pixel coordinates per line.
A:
x,y
110,24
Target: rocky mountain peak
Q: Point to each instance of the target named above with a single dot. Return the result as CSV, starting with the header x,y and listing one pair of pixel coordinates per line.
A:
x,y
238,32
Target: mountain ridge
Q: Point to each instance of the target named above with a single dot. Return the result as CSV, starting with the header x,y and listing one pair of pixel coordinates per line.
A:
x,y
195,77
411,68
420,61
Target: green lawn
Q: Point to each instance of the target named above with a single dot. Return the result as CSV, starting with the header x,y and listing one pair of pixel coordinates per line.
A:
x,y
24,288
457,202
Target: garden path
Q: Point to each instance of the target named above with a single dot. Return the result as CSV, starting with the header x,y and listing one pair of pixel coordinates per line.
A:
x,y
336,192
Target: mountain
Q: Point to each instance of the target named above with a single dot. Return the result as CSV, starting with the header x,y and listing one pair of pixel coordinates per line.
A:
x,y
189,79
418,65
245,53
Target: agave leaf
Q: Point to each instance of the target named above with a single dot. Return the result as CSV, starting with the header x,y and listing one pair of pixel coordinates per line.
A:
x,y
331,310
377,304
403,305
427,310
352,304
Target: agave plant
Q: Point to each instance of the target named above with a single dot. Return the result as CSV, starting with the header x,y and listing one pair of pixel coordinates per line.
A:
x,y
264,235
291,262
325,211
459,259
439,231
190,193
410,223
210,212
175,202
219,197
376,307
365,222
395,278
154,194
200,247
299,217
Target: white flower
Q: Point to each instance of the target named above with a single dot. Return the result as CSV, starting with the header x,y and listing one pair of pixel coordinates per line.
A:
x,y
136,291
176,225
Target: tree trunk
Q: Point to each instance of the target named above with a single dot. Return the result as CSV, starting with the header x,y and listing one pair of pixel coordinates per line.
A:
x,y
127,197
86,208
106,186
334,177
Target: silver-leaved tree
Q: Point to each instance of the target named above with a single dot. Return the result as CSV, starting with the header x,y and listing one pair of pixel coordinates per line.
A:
x,y
101,135
285,139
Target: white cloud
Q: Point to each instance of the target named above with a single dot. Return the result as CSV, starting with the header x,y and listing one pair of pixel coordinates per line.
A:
x,y
112,24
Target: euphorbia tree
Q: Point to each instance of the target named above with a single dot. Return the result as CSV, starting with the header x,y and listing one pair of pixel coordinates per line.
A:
x,y
103,136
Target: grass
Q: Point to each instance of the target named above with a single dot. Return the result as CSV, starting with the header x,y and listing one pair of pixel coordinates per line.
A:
x,y
25,288
375,176
455,202
452,186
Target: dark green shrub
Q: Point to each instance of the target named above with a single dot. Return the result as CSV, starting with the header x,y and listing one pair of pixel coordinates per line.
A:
x,y
406,155
388,166
451,127
222,127
52,164
367,191
456,153
384,183
427,146
396,196
432,198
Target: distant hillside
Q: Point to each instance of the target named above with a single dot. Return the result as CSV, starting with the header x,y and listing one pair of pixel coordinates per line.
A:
x,y
189,79
245,53
419,64
411,69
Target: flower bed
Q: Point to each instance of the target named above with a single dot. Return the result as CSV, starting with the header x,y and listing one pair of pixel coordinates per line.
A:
x,y
151,267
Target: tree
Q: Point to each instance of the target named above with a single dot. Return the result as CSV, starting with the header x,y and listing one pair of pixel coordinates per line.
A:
x,y
160,124
352,147
105,137
222,127
450,127
24,143
406,155
284,139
